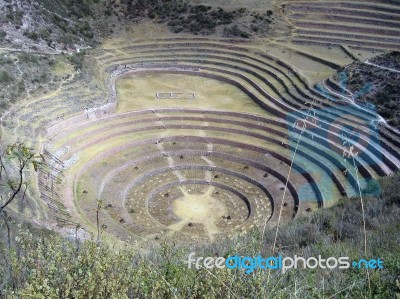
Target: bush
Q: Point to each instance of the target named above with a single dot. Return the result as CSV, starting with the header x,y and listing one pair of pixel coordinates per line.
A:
x,y
197,19
31,34
236,32
44,265
5,77
3,34
26,58
77,59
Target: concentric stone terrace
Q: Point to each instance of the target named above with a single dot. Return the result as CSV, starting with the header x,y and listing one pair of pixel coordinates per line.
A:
x,y
355,25
253,142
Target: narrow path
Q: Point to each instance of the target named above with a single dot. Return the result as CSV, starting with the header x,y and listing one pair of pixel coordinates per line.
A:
x,y
381,67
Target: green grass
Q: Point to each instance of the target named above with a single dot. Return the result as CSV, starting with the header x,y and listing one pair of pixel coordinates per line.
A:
x,y
42,264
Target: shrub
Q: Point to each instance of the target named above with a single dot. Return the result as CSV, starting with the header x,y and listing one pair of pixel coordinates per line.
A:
x,y
77,59
31,34
5,77
3,34
26,58
236,32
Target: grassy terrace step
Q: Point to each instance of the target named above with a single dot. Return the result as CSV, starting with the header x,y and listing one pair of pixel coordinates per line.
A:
x,y
281,135
250,72
333,89
206,168
276,80
261,102
138,161
182,169
256,57
262,58
386,140
246,222
192,44
351,36
339,41
380,15
393,9
259,131
185,170
325,44
318,103
276,83
234,199
252,192
347,28
175,63
177,138
218,156
245,147
40,114
393,136
160,179
298,90
345,19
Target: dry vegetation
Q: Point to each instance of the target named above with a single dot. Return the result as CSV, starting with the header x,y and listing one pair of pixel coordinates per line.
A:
x,y
182,17
179,127
47,26
44,265
384,90
27,75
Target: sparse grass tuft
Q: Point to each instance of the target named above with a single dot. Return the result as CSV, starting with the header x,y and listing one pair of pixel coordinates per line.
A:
x,y
43,265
